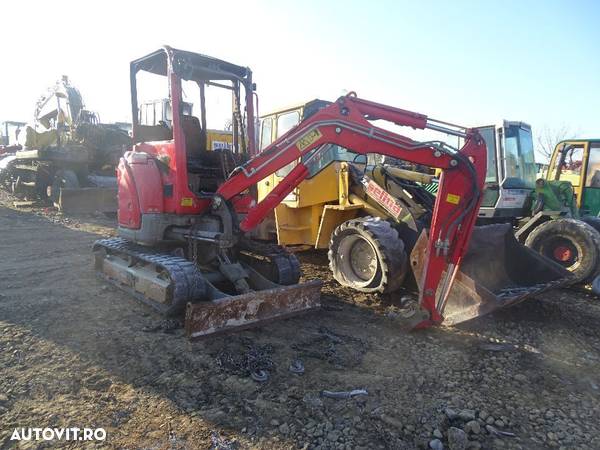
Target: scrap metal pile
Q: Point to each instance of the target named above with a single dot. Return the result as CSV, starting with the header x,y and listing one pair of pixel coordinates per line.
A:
x,y
66,155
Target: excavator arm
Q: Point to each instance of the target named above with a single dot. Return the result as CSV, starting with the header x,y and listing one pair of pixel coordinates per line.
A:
x,y
348,123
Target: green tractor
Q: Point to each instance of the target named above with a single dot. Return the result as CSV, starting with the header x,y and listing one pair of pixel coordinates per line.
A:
x,y
551,215
577,162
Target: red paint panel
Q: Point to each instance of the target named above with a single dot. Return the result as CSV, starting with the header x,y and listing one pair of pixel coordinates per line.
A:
x,y
129,215
140,188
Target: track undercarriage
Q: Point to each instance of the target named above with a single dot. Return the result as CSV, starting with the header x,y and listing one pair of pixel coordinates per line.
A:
x,y
230,292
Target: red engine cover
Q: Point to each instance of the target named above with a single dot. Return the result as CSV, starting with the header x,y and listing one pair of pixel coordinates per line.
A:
x,y
140,188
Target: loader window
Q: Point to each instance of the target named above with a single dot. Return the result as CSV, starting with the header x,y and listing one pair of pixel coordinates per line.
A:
x,y
569,165
286,122
519,162
593,169
489,136
266,132
330,153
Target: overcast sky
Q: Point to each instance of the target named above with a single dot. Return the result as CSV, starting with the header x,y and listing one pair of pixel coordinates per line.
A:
x,y
467,62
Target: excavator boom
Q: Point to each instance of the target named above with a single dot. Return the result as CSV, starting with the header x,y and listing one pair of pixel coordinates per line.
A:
x,y
347,123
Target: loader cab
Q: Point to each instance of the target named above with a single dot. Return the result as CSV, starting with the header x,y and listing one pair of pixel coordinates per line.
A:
x,y
298,220
276,124
201,128
578,162
511,170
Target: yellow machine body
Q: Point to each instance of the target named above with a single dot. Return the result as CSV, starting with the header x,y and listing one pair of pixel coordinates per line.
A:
x,y
312,211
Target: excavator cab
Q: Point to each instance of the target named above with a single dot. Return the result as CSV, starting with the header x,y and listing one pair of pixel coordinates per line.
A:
x,y
208,139
180,247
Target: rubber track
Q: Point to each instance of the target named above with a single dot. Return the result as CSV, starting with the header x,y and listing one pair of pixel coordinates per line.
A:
x,y
187,280
287,263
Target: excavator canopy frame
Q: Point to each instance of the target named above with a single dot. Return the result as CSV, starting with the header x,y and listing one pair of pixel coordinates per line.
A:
x,y
178,65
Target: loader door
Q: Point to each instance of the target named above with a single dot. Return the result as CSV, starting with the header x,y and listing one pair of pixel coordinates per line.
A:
x,y
590,198
568,164
492,187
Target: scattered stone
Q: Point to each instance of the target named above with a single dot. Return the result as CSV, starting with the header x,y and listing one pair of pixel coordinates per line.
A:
x,y
437,433
333,436
520,378
391,421
451,414
275,422
473,427
467,415
3,398
499,423
457,439
483,415
436,444
312,400
284,429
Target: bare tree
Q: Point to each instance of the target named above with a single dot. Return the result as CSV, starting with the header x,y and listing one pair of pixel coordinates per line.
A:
x,y
547,138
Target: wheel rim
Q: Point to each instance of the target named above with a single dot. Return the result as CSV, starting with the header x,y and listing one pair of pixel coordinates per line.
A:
x,y
357,261
363,260
561,251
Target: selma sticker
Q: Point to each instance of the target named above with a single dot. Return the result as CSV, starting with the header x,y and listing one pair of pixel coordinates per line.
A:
x,y
187,201
309,138
453,198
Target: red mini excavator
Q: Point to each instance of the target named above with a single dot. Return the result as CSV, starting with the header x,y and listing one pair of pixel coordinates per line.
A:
x,y
185,210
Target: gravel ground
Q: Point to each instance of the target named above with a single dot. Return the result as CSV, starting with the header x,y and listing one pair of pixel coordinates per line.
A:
x,y
75,352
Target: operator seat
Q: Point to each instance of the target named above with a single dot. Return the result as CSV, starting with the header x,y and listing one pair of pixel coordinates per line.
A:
x,y
204,166
194,142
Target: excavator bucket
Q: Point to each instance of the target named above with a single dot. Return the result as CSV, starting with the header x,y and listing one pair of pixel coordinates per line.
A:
x,y
496,272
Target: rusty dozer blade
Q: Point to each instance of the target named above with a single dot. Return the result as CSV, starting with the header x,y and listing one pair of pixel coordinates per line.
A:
x,y
496,272
248,310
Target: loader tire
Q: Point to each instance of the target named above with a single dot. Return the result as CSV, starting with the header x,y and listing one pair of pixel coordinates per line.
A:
x,y
366,254
62,179
592,221
572,243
